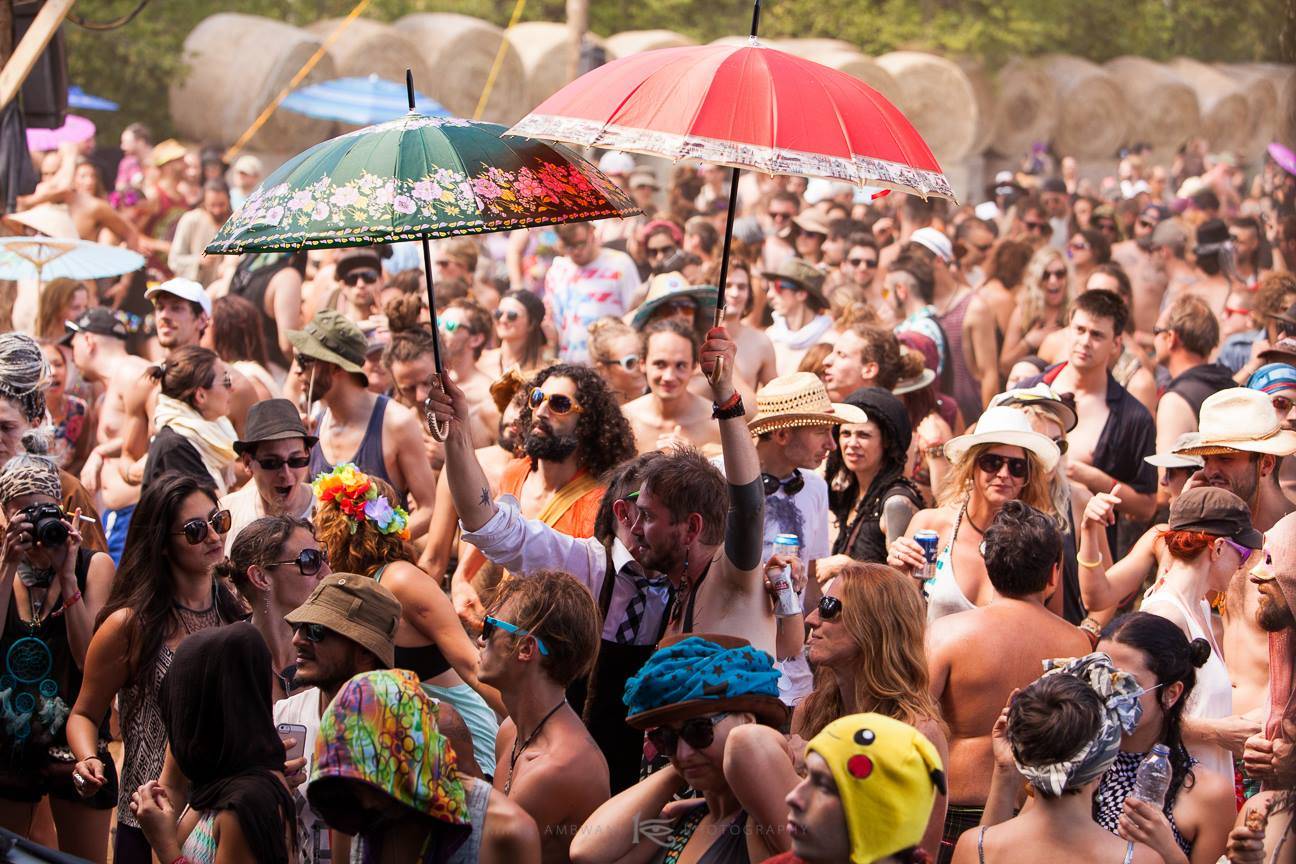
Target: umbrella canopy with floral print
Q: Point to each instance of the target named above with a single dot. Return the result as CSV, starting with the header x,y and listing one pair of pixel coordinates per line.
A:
x,y
418,177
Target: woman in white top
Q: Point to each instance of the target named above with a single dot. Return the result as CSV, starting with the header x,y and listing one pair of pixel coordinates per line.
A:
x,y
1003,460
1209,538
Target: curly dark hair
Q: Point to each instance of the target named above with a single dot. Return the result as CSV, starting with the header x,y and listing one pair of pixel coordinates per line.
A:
x,y
606,439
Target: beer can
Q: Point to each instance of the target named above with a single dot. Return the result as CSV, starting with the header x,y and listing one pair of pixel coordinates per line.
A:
x,y
928,540
786,599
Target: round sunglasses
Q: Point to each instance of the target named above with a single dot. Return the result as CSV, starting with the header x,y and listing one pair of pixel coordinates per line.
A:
x,y
559,403
308,561
629,363
992,463
195,530
697,732
507,314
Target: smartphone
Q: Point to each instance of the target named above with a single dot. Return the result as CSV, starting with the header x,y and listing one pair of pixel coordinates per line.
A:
x,y
295,731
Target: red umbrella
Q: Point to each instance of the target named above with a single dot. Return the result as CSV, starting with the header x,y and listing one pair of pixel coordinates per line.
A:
x,y
745,106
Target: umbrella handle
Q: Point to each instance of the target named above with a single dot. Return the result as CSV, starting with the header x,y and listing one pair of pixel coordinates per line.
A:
x,y
438,431
717,371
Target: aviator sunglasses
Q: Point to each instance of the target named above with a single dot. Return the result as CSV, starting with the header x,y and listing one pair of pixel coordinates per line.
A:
x,y
559,403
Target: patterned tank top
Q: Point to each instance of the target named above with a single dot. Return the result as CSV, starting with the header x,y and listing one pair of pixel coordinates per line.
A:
x,y
200,846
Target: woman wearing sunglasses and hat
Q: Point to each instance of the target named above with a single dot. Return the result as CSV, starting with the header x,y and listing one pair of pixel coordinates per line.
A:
x,y
1003,460
707,702
165,591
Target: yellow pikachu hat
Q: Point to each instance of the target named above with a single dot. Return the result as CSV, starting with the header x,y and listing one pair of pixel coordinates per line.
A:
x,y
887,775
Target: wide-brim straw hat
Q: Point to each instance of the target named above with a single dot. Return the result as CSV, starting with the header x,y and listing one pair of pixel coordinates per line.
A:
x,y
1240,419
52,220
1002,425
666,287
796,400
1175,458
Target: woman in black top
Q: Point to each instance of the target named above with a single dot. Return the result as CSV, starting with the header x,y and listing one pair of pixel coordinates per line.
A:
x,y
194,435
51,588
868,493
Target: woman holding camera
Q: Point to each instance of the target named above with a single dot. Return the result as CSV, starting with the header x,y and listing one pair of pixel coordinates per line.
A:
x,y
51,589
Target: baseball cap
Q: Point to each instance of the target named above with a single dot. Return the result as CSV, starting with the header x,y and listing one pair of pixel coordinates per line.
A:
x,y
98,320
356,607
1218,512
935,242
642,177
616,162
185,289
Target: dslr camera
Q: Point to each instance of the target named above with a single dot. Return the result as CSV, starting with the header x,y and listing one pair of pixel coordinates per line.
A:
x,y
49,527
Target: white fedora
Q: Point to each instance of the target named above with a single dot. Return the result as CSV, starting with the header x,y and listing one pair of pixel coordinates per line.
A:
x,y
1240,419
1002,425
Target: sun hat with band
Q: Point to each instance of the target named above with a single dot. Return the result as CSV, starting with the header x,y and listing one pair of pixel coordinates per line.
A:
x,y
1215,511
887,776
1240,419
697,674
332,337
804,276
796,400
1041,396
356,607
1002,425
669,287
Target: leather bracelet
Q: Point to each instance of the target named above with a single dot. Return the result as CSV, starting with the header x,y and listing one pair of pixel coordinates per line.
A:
x,y
733,407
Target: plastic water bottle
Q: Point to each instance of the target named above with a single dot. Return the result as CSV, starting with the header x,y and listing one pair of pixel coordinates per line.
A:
x,y
1153,778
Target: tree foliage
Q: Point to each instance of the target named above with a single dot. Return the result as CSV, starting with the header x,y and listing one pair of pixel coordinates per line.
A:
x,y
135,64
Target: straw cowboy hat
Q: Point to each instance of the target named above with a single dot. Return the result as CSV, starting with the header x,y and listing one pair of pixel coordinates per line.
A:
x,y
1003,425
667,287
1240,419
799,399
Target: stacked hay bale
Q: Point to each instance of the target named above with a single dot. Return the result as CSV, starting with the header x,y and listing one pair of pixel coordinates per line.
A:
x,y
1283,79
461,50
237,64
1026,107
844,57
634,41
1165,111
983,87
369,47
1226,118
546,50
1093,118
1262,103
938,99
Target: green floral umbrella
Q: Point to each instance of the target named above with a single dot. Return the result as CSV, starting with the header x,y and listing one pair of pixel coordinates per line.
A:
x,y
418,177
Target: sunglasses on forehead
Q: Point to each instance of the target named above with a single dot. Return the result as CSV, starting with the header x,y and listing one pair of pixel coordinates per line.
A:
x,y
195,530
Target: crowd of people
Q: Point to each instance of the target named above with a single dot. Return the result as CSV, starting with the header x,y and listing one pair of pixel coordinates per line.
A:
x,y
953,516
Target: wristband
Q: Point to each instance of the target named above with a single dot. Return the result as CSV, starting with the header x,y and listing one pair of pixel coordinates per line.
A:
x,y
733,407
1089,565
68,602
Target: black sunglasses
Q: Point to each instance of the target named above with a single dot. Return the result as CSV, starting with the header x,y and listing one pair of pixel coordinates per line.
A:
x,y
792,485
308,561
829,608
559,403
697,732
510,314
355,277
274,463
865,263
991,463
313,632
195,530
1062,444
659,251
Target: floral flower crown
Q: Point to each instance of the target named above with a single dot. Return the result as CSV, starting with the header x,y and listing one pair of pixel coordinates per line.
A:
x,y
357,497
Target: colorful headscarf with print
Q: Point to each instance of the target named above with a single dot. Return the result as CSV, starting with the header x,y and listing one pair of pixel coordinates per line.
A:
x,y
1120,693
381,729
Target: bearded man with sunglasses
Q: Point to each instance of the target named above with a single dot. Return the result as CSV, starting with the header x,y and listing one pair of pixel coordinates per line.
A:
x,y
275,450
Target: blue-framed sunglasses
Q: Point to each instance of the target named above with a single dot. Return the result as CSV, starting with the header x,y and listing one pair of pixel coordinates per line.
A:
x,y
489,624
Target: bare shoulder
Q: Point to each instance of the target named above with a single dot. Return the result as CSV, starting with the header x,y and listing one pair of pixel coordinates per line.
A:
x,y
509,833
402,574
933,519
1207,796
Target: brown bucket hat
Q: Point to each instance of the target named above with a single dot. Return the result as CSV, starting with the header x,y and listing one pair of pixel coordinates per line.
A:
x,y
356,607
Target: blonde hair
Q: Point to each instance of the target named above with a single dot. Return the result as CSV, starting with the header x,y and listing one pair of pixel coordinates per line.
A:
x,y
887,621
1059,483
959,484
1032,294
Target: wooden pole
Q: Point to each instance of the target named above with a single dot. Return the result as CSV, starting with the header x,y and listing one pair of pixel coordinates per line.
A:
x,y
19,65
577,25
6,31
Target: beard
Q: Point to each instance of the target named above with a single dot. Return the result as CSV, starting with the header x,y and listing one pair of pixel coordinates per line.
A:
x,y
510,439
1273,618
550,446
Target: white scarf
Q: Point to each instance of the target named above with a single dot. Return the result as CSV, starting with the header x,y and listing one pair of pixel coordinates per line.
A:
x,y
213,439
799,339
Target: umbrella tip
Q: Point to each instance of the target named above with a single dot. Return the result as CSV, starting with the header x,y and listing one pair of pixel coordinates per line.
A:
x,y
409,87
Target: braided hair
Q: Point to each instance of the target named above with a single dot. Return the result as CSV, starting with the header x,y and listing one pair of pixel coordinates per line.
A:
x,y
24,374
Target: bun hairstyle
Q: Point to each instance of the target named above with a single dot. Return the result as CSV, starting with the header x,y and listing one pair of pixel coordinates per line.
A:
x,y
189,369
410,340
403,313
37,442
1169,656
1050,718
912,363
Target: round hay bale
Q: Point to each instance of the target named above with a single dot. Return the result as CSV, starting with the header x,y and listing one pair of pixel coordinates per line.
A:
x,y
851,62
635,41
236,65
546,52
1026,107
369,47
1284,81
938,100
1226,118
740,41
983,87
461,50
1261,93
809,47
1167,114
1093,116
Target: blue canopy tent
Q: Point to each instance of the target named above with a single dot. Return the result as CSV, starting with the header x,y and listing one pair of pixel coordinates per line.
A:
x,y
359,101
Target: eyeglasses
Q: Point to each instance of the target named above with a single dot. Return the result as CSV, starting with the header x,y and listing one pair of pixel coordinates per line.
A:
x,y
274,463
992,463
308,561
829,608
662,251
1146,223
509,314
862,263
314,633
1055,274
195,530
791,486
443,263
1106,227
559,403
355,277
777,216
1078,246
629,363
489,624
697,732
1158,330
1282,404
1039,227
